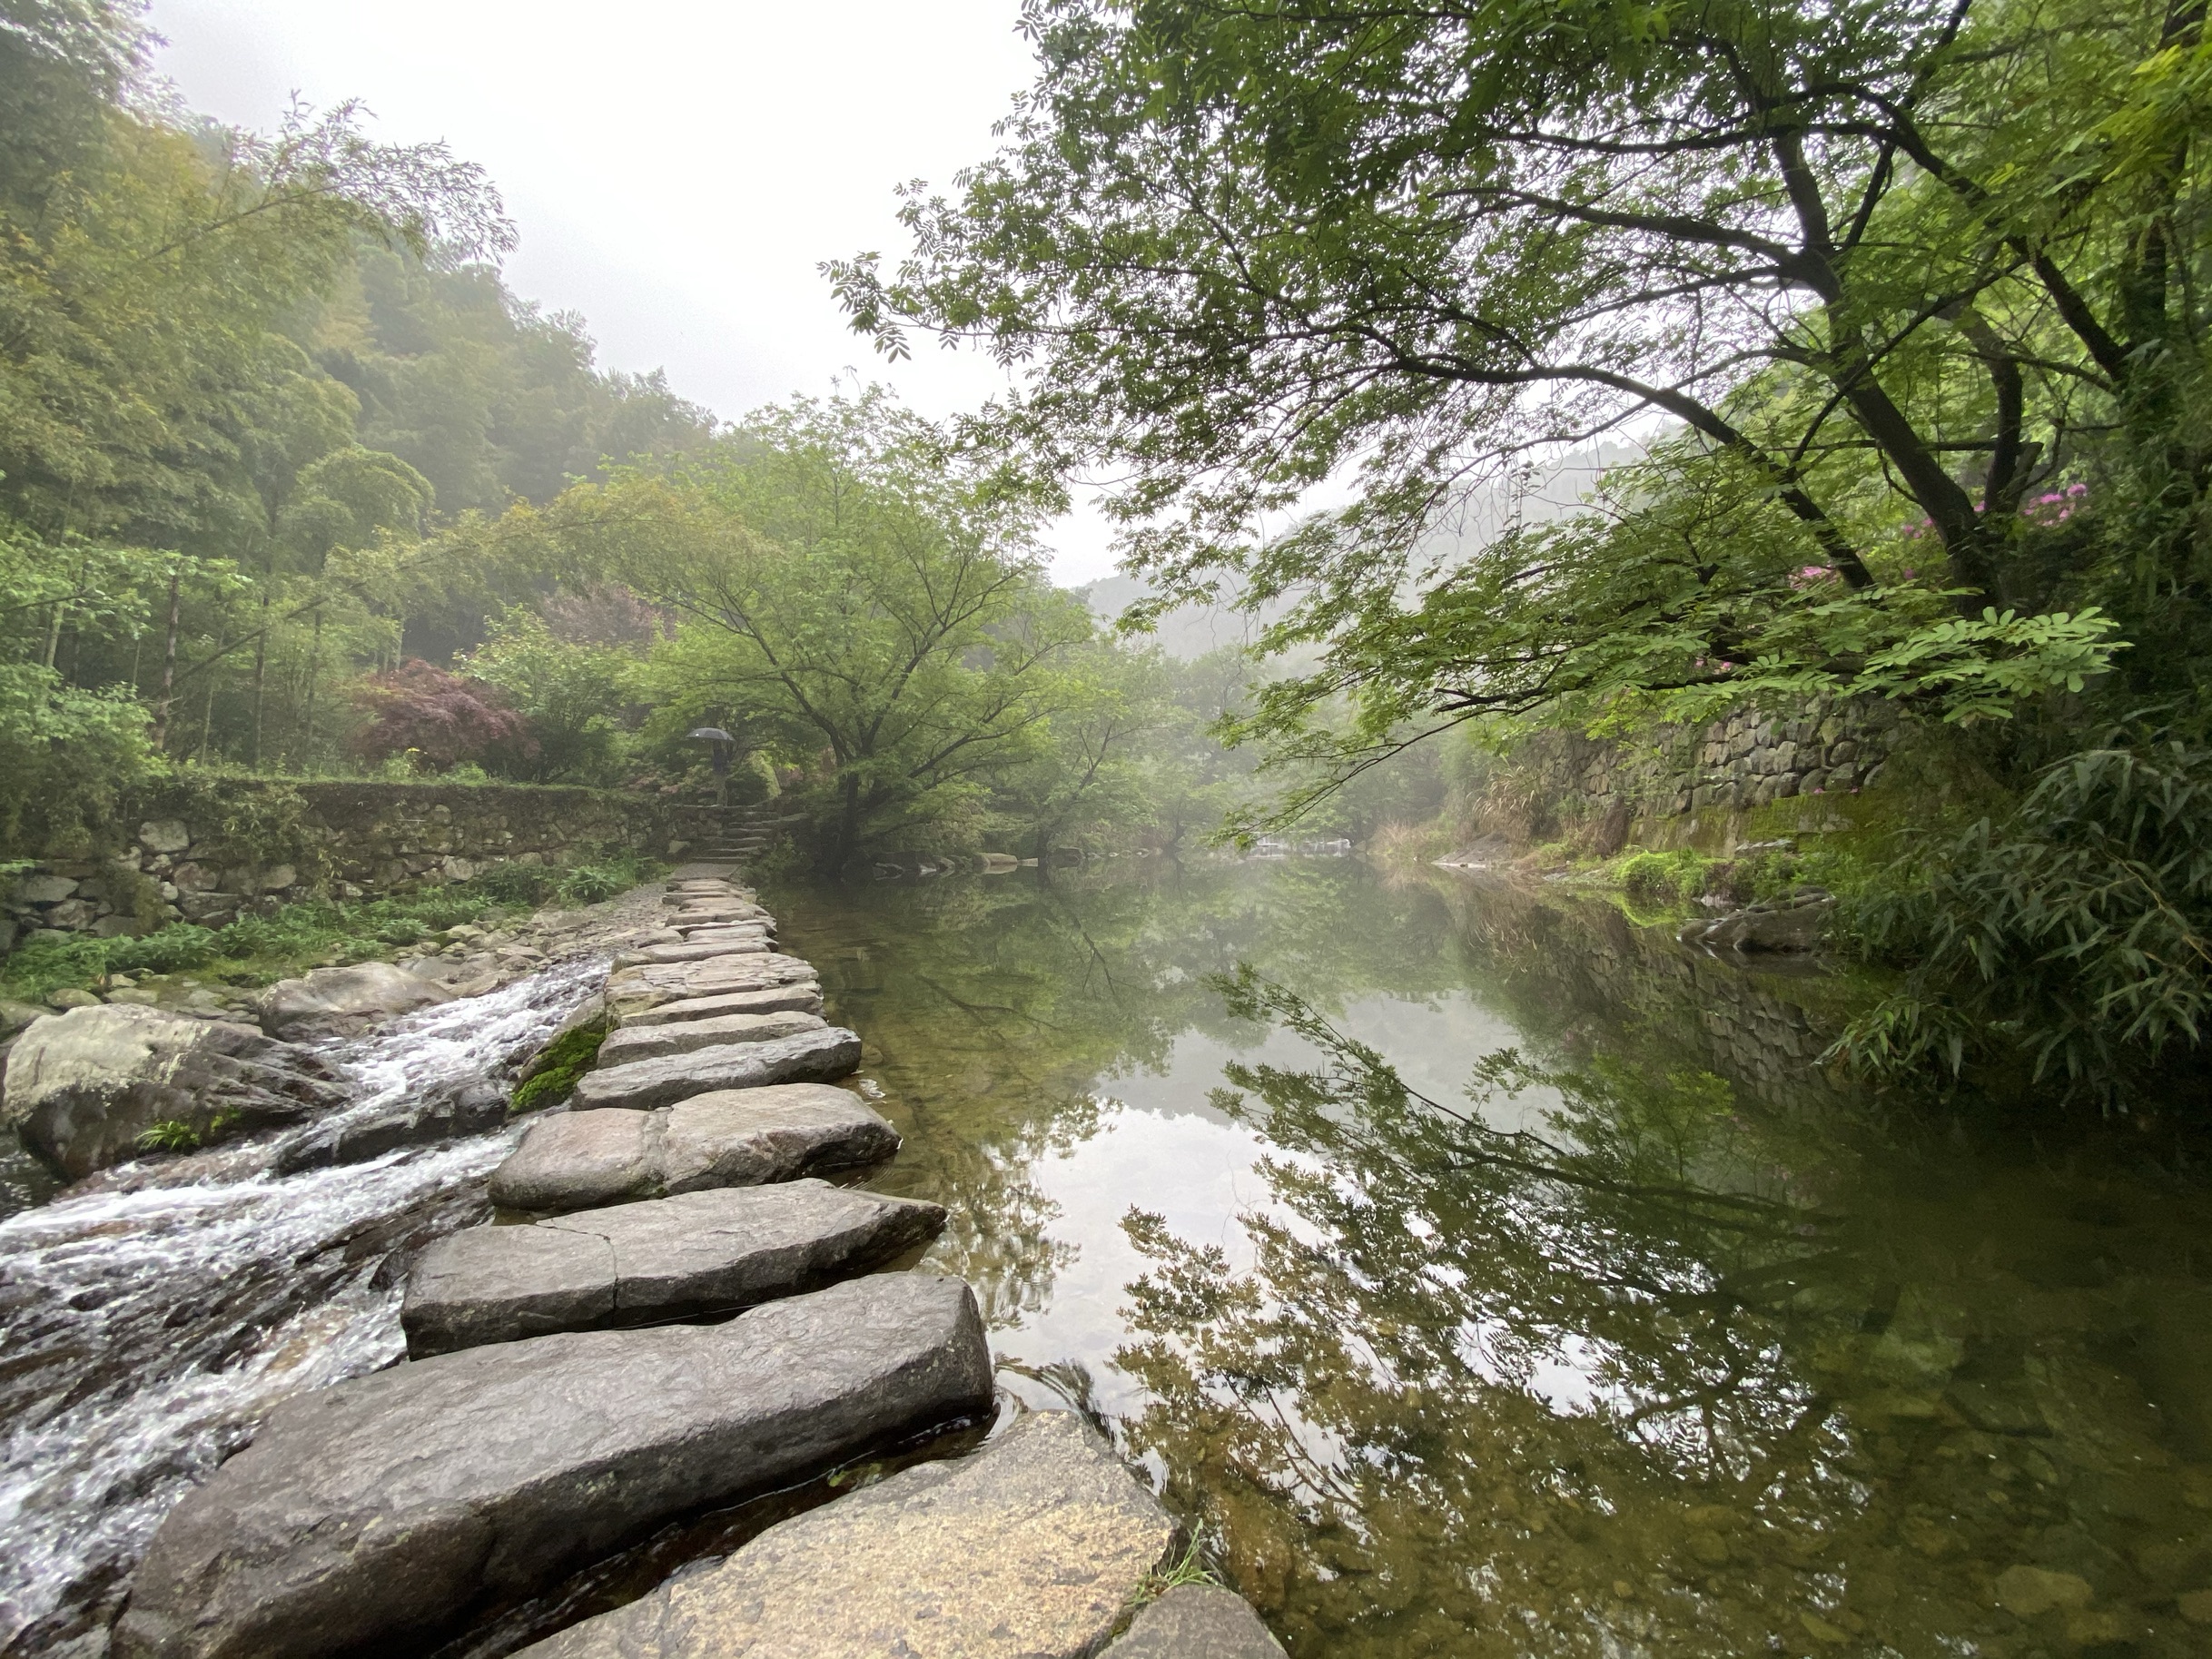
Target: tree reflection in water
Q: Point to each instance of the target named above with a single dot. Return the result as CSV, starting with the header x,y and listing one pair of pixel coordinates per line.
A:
x,y
1606,1389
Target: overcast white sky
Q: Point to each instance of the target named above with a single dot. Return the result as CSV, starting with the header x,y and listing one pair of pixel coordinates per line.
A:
x,y
678,168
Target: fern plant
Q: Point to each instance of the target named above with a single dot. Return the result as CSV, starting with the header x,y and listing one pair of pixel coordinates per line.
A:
x,y
2075,934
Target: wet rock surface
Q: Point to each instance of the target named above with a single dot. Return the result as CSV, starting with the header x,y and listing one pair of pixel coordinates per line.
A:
x,y
82,1087
1034,1547
1793,927
1197,1622
344,1001
805,996
680,1037
667,1258
376,1513
735,1138
649,985
804,1057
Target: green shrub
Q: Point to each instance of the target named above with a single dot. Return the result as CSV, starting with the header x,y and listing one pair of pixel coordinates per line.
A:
x,y
170,950
513,884
595,883
1657,878
2074,934
169,1135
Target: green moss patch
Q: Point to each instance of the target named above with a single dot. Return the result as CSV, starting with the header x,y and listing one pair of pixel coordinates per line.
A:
x,y
555,1068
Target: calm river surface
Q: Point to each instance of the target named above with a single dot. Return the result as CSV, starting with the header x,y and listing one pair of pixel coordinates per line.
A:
x,y
1658,1343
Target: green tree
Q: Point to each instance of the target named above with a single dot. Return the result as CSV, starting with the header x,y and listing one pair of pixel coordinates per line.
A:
x,y
849,593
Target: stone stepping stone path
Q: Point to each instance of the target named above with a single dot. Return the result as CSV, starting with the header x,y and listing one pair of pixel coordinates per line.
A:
x,y
383,1507
807,997
1033,1549
680,1037
803,1057
733,1138
681,1258
553,1410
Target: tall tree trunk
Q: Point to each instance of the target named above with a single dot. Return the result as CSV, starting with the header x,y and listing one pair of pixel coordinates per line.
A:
x,y
315,668
169,657
207,710
260,675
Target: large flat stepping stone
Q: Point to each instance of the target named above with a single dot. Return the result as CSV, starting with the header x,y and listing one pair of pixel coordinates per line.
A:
x,y
698,949
806,1057
640,1264
1031,1549
738,1138
1197,1622
649,985
654,1041
806,998
369,1517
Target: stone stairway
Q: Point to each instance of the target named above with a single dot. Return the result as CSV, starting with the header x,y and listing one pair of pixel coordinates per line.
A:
x,y
732,835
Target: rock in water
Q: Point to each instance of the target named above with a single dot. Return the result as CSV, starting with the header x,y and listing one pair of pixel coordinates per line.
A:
x,y
1197,1622
344,1001
806,997
808,1057
639,1264
369,1517
736,1138
1029,1549
82,1087
655,1042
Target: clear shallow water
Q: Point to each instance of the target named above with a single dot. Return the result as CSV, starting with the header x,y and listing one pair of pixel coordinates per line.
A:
x,y
147,1330
1692,1351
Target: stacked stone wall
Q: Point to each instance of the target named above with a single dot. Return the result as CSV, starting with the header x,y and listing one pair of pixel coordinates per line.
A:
x,y
210,853
1668,781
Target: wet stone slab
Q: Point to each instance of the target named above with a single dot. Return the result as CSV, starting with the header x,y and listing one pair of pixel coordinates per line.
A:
x,y
1197,1622
680,1037
370,1515
736,1138
682,1258
816,1056
632,989
1033,1549
751,944
805,997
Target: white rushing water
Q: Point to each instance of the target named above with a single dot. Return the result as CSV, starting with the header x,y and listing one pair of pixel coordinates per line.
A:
x,y
147,1331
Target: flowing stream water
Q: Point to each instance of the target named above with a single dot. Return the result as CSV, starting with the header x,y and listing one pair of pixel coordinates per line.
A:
x,y
150,1326
1653,1338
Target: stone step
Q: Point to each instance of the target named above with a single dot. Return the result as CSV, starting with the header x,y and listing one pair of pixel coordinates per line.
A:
x,y
657,1042
696,950
1031,1549
806,997
649,985
371,1515
737,1138
818,1056
649,1263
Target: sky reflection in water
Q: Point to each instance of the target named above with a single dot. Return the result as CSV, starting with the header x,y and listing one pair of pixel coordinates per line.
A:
x,y
1733,1364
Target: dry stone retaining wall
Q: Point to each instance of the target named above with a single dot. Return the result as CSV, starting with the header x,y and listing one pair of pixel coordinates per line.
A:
x,y
1748,759
211,853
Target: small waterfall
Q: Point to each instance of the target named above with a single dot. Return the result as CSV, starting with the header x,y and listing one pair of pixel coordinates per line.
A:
x,y
149,1328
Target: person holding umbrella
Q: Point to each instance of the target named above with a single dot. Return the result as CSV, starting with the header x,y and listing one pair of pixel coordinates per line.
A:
x,y
725,748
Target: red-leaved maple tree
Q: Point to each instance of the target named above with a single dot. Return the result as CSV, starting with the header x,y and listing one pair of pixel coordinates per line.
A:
x,y
444,718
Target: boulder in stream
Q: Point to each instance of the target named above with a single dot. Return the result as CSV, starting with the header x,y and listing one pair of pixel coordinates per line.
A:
x,y
373,1515
678,1257
84,1086
680,1037
344,1001
1030,1549
817,1056
1788,927
1197,1622
734,1138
